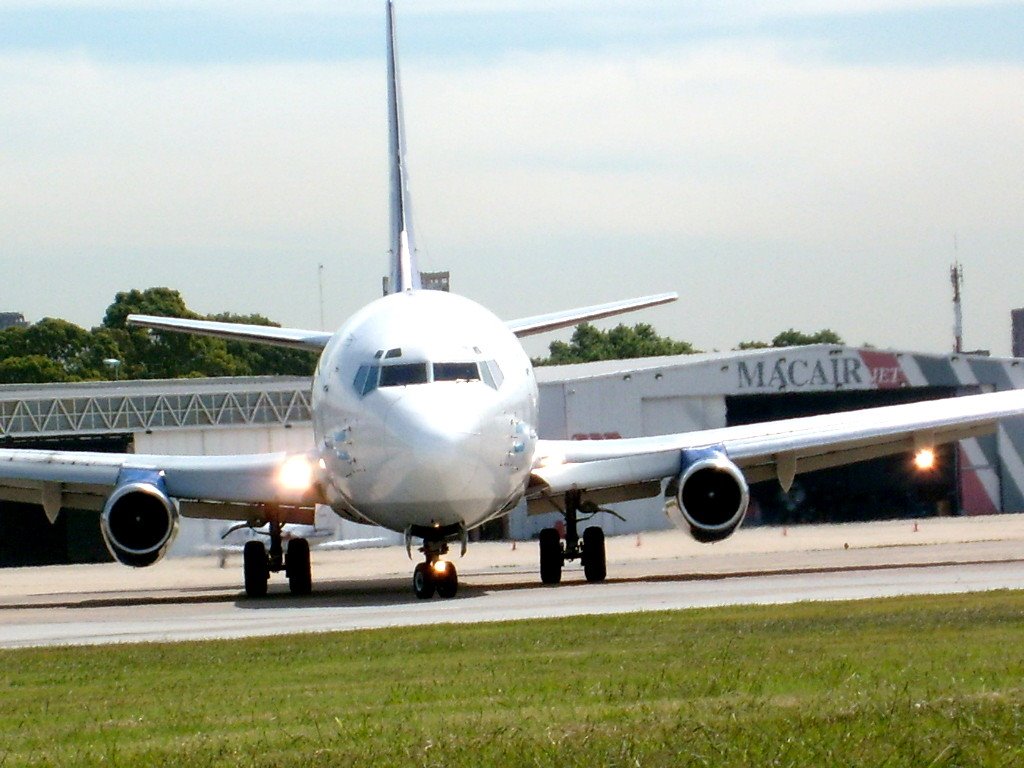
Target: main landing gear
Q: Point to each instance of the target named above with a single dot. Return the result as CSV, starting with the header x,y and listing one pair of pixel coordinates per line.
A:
x,y
258,564
590,551
435,574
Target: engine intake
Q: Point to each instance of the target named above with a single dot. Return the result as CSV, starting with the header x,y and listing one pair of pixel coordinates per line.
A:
x,y
138,523
710,497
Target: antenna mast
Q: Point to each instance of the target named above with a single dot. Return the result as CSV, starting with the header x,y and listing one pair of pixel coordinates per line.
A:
x,y
956,276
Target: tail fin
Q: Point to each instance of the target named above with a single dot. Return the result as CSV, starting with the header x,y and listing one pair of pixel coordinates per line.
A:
x,y
405,273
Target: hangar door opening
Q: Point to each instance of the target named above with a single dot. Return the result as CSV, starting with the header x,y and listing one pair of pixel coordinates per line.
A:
x,y
30,539
879,489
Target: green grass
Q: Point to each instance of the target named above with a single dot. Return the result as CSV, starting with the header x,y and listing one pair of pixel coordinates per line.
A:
x,y
903,682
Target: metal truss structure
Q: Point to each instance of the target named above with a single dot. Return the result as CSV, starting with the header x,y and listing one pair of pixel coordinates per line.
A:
x,y
100,408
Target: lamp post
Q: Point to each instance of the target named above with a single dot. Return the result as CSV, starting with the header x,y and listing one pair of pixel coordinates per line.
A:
x,y
114,365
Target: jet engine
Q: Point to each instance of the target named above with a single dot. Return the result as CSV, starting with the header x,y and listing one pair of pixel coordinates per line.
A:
x,y
709,499
139,522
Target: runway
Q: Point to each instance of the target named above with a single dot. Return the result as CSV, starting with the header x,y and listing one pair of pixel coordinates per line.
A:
x,y
193,599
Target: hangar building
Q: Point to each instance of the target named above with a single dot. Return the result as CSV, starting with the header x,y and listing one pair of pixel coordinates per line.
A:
x,y
198,416
590,401
650,396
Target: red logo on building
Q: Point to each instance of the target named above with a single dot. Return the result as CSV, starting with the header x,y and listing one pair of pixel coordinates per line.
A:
x,y
885,368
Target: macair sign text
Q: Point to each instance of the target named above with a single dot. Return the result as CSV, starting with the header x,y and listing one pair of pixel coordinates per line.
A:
x,y
782,374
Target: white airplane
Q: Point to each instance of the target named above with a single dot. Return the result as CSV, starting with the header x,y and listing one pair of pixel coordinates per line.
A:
x,y
425,422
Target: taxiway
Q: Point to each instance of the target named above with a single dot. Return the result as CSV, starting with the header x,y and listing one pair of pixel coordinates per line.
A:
x,y
192,599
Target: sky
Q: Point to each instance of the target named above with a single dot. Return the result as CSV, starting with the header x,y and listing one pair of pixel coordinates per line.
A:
x,y
796,163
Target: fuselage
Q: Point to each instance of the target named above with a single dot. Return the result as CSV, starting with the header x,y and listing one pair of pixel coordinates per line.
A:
x,y
425,413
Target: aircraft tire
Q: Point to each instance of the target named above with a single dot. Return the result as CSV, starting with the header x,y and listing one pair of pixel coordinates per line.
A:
x,y
255,568
300,574
594,566
550,556
423,581
448,585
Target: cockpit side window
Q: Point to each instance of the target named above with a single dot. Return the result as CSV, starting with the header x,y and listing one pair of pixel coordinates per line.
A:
x,y
492,374
403,374
456,372
366,379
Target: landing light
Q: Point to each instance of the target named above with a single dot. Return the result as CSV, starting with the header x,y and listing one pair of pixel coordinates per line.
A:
x,y
924,459
296,474
440,566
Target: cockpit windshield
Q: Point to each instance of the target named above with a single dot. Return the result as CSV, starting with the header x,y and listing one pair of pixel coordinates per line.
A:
x,y
456,372
403,374
370,377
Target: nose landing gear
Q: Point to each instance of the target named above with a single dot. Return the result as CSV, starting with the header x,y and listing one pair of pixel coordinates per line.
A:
x,y
435,574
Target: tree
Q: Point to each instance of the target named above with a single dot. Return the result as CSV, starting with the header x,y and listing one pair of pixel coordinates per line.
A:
x,y
73,353
66,344
620,343
794,338
31,369
56,350
165,302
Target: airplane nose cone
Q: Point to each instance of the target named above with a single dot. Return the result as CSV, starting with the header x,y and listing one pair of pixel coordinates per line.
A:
x,y
439,444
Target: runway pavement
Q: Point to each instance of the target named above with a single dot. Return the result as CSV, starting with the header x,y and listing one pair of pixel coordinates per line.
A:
x,y
193,598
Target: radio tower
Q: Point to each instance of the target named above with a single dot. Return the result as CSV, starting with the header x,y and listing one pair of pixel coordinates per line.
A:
x,y
956,276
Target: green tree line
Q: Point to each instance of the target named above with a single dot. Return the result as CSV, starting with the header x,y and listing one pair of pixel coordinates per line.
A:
x,y
624,342
55,350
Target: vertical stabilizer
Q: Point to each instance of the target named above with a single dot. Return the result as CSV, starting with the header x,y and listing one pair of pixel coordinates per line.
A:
x,y
405,273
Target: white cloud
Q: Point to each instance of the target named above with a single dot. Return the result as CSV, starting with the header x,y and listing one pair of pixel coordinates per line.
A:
x,y
810,193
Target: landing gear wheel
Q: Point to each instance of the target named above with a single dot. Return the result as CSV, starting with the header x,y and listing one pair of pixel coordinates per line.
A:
x,y
550,556
300,575
593,554
423,581
256,569
448,581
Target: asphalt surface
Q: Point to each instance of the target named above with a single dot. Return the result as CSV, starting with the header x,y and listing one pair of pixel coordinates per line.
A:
x,y
194,598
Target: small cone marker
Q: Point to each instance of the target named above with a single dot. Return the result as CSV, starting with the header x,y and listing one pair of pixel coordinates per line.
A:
x,y
513,545
915,526
638,539
785,531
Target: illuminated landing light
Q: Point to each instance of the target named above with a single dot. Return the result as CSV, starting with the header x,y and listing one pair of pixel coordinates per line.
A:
x,y
440,566
296,474
924,459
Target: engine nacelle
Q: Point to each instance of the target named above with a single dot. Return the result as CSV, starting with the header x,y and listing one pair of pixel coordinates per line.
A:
x,y
709,499
139,522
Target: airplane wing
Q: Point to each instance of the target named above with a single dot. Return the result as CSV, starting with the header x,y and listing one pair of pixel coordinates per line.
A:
x,y
293,338
219,487
529,326
774,449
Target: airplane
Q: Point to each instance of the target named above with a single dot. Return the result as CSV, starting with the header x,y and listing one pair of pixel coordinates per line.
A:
x,y
425,416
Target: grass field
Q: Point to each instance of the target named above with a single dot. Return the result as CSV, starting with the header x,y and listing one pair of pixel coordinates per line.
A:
x,y
901,682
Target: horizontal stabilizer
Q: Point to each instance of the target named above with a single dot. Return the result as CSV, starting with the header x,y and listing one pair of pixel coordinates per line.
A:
x,y
529,326
293,338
